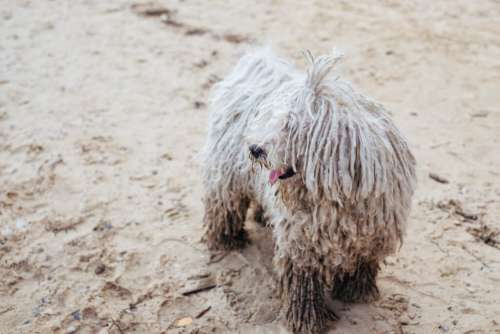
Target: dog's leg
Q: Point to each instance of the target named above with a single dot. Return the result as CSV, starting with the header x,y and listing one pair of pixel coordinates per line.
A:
x,y
224,224
259,215
302,293
359,286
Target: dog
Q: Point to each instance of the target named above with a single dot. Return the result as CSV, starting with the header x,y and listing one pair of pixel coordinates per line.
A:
x,y
326,165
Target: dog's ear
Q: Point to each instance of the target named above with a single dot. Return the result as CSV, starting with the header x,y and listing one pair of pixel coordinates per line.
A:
x,y
319,68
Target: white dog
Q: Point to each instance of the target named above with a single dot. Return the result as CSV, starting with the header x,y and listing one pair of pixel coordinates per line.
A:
x,y
328,167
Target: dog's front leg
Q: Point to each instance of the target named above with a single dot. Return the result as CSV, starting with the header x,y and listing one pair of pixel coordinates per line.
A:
x,y
302,292
224,223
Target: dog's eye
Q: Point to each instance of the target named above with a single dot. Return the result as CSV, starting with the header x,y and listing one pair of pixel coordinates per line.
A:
x,y
256,151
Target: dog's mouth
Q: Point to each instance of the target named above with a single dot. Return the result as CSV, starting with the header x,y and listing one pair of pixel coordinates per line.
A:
x,y
259,155
280,174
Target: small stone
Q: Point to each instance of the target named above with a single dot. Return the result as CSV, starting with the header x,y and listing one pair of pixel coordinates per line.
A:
x,y
443,328
183,322
76,315
167,157
199,104
101,268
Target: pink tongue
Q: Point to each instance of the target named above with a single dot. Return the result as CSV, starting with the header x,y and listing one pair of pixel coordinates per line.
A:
x,y
274,175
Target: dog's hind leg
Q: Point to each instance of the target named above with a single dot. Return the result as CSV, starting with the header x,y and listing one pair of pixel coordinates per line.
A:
x,y
302,292
358,286
259,215
224,223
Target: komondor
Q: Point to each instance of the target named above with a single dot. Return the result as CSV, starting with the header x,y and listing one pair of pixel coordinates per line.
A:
x,y
328,167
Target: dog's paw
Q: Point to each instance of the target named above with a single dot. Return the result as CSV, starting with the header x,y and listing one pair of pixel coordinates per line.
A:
x,y
359,286
310,320
305,307
357,294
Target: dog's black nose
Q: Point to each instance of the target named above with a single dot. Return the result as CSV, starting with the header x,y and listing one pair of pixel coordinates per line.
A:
x,y
256,151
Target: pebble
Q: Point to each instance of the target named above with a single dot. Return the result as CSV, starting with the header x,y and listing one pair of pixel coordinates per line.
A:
x,y
76,315
101,268
443,328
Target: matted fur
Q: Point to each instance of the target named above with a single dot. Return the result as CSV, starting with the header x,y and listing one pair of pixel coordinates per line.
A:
x,y
351,195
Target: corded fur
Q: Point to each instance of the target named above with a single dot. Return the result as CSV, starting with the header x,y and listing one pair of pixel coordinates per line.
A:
x,y
351,196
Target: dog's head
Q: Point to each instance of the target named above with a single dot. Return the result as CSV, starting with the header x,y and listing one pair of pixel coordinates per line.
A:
x,y
319,139
292,135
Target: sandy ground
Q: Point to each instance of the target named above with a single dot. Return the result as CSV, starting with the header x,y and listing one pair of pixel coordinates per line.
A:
x,y
102,113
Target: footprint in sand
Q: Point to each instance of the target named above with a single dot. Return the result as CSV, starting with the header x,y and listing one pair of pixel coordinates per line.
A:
x,y
100,150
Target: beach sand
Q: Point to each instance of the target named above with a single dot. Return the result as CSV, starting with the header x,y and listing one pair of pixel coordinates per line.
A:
x,y
103,110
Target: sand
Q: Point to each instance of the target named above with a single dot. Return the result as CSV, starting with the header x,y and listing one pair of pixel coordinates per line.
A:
x,y
103,110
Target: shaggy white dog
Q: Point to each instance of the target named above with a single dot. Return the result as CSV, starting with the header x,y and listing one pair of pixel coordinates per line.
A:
x,y
326,165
